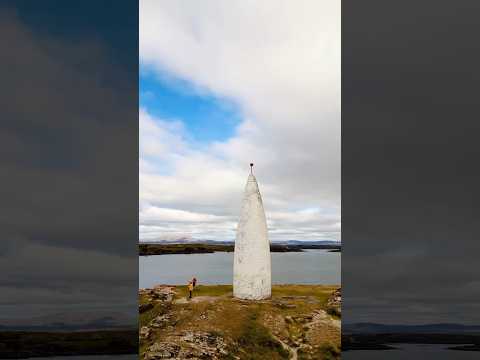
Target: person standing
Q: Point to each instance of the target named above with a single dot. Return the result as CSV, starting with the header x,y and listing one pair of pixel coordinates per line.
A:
x,y
190,289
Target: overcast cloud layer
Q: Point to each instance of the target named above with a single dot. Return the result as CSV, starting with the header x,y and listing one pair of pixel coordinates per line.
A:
x,y
279,63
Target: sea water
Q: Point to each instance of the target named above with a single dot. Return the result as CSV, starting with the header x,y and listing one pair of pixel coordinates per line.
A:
x,y
307,267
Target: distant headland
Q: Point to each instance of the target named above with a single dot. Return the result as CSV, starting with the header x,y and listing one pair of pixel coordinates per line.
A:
x,y
210,246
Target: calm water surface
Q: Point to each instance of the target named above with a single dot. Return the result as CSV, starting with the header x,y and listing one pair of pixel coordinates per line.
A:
x,y
411,352
308,267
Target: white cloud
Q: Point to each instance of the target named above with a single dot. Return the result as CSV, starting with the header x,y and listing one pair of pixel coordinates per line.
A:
x,y
160,138
153,214
280,63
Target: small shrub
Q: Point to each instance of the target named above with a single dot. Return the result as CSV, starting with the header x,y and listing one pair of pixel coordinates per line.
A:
x,y
334,311
329,352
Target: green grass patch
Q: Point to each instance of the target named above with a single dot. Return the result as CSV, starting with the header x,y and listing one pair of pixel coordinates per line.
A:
x,y
205,290
321,292
257,342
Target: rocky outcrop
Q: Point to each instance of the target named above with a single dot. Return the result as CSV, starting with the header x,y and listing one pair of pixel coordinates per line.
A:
x,y
204,345
189,345
162,321
162,350
163,293
144,332
336,298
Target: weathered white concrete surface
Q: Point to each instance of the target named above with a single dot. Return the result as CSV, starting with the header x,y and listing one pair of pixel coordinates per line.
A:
x,y
252,274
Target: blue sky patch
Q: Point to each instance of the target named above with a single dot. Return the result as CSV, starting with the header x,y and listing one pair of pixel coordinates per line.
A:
x,y
206,117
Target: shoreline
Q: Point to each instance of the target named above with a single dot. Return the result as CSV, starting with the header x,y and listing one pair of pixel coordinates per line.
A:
x,y
200,248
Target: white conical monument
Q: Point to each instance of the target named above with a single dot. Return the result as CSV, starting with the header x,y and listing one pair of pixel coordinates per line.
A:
x,y
252,274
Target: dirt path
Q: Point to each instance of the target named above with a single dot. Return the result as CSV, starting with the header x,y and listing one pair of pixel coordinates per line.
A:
x,y
321,317
196,299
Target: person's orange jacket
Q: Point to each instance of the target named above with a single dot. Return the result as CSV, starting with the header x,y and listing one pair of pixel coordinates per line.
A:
x,y
190,287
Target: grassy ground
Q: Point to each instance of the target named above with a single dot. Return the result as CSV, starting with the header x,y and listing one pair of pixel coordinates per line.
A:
x,y
254,328
205,290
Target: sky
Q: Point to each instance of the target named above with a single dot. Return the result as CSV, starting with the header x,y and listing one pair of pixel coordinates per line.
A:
x,y
225,84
